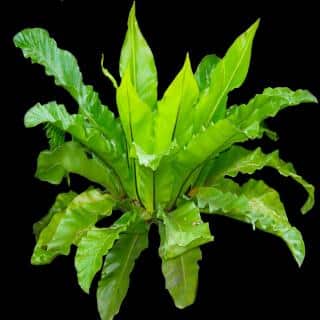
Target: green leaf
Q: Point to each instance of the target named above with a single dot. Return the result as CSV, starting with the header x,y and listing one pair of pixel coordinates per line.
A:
x,y
37,44
242,123
248,117
60,204
229,74
136,116
181,276
174,119
239,160
88,136
82,213
182,230
94,246
204,70
71,157
182,166
119,263
255,203
55,136
137,58
68,226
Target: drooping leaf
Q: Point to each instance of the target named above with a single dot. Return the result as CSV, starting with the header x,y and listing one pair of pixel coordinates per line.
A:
x,y
181,276
229,74
60,204
71,157
88,136
174,120
248,117
182,230
254,203
37,45
67,227
136,56
204,70
118,265
95,245
82,213
240,160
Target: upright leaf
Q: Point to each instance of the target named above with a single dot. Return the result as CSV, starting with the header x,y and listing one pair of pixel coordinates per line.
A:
x,y
174,120
181,276
254,203
240,160
205,69
71,157
137,57
94,246
119,263
229,74
182,230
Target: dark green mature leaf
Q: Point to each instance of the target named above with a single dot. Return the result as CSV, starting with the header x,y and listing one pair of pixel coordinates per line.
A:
x,y
181,276
119,263
182,230
88,136
229,74
62,65
174,119
240,160
137,58
95,245
254,203
71,157
204,70
61,203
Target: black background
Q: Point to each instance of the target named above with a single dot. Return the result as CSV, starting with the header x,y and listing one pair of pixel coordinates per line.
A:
x,y
243,273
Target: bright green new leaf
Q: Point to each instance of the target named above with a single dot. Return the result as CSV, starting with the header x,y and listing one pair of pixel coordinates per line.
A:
x,y
181,276
174,120
118,265
136,56
229,74
95,245
182,230
254,203
159,162
240,160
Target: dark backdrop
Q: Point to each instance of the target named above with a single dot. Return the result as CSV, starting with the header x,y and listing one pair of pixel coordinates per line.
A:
x,y
243,273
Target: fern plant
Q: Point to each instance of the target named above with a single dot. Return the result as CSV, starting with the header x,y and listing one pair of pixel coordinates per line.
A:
x,y
160,162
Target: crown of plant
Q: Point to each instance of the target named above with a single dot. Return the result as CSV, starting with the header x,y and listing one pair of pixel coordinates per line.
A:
x,y
160,162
